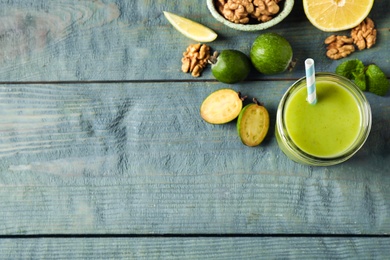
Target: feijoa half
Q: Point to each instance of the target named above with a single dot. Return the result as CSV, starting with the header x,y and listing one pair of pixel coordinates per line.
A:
x,y
221,106
230,66
253,124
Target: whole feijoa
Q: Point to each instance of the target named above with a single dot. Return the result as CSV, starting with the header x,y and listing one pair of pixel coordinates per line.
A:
x,y
271,53
230,66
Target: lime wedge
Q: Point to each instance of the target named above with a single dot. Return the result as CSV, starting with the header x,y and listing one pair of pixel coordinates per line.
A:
x,y
191,29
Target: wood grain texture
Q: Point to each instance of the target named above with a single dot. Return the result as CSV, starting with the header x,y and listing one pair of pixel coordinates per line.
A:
x,y
122,40
196,248
137,158
100,135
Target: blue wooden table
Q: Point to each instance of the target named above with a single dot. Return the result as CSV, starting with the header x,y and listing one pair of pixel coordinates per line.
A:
x,y
103,153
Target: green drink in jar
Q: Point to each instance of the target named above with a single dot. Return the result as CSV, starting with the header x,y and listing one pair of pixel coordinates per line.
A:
x,y
328,132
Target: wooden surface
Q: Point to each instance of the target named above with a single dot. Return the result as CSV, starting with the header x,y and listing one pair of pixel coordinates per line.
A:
x,y
103,153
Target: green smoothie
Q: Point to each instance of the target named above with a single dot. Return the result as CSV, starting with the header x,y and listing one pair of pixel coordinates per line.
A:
x,y
327,128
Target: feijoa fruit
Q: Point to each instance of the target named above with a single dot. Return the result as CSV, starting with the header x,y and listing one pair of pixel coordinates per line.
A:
x,y
230,66
253,124
271,53
221,106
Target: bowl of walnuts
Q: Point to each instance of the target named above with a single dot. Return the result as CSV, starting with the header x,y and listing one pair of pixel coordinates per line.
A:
x,y
250,15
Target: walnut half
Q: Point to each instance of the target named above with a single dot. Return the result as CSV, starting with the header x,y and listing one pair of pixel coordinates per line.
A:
x,y
195,59
265,10
236,11
339,46
364,35
245,11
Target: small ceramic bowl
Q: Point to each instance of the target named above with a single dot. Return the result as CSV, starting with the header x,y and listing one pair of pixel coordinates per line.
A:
x,y
286,8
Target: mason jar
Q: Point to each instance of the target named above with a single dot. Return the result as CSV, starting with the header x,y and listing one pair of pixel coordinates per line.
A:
x,y
328,132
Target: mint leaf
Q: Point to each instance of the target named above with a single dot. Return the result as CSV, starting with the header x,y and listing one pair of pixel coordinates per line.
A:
x,y
350,69
377,81
360,80
370,78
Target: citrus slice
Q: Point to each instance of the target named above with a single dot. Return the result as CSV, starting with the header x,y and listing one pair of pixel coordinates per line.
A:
x,y
191,29
336,15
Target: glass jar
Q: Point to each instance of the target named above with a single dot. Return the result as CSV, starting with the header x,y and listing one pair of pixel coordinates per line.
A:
x,y
297,148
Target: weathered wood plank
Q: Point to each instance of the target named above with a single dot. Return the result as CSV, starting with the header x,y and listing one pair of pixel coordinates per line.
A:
x,y
131,40
195,248
137,158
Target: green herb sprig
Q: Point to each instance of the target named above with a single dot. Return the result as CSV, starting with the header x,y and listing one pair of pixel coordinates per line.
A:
x,y
368,78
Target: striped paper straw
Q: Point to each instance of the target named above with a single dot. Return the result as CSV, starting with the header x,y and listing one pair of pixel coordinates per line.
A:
x,y
310,81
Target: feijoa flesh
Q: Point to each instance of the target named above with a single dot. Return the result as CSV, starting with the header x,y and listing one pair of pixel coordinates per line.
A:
x,y
253,124
271,53
221,106
230,66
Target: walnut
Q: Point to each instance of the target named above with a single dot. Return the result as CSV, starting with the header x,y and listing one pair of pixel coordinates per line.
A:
x,y
236,11
241,11
195,59
364,35
339,46
265,9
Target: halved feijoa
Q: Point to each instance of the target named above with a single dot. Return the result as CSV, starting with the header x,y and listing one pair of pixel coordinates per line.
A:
x,y
253,124
221,106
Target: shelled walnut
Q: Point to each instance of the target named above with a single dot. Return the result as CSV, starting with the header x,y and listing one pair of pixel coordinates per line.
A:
x,y
339,46
195,59
364,35
265,10
246,11
236,11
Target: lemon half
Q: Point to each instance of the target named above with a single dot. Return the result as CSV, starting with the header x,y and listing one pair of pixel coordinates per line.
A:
x,y
191,29
336,15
